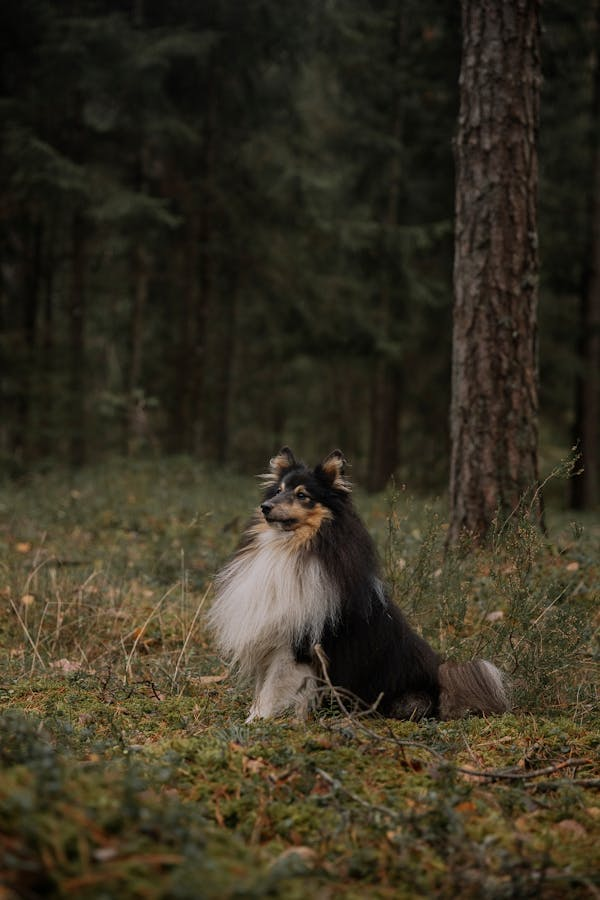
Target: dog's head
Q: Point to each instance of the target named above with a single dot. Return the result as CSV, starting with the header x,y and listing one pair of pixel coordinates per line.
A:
x,y
300,498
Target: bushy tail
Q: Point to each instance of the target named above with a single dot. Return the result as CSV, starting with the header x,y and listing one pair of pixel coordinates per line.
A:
x,y
472,687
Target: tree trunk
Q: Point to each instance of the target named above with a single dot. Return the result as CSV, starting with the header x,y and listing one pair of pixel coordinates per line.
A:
x,y
76,412
26,382
385,414
136,413
198,288
584,487
223,368
385,387
190,364
47,427
494,410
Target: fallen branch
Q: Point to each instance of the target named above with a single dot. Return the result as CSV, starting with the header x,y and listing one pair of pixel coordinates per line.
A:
x,y
517,775
563,782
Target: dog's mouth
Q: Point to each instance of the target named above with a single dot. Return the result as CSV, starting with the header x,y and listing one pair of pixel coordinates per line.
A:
x,y
285,524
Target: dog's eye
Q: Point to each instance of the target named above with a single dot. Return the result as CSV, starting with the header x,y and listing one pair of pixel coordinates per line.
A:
x,y
301,495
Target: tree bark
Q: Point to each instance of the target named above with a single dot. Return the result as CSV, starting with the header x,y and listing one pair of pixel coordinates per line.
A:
x,y
584,487
136,422
76,311
387,376
23,441
47,427
385,415
224,366
493,420
199,279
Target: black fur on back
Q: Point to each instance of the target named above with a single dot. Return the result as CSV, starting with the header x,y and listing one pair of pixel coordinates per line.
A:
x,y
370,647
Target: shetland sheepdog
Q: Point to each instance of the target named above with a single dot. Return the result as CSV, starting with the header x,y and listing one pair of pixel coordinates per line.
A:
x,y
304,588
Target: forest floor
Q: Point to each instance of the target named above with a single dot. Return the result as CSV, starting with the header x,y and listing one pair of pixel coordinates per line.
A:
x,y
127,770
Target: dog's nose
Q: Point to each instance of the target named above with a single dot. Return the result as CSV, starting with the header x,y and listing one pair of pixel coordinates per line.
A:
x,y
266,507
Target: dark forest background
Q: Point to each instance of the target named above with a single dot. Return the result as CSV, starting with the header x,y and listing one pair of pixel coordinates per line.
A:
x,y
229,225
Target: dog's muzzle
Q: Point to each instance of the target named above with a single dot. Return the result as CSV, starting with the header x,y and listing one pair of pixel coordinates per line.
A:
x,y
275,515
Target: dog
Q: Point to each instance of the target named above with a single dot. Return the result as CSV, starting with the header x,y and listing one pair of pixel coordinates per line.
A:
x,y
304,591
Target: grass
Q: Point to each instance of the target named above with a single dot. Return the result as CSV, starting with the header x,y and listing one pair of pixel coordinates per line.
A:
x,y
126,769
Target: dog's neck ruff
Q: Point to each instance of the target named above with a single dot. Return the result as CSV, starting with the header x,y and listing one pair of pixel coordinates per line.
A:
x,y
272,595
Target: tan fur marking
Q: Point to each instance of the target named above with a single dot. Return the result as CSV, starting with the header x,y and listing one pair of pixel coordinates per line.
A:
x,y
309,525
281,461
277,466
308,522
333,466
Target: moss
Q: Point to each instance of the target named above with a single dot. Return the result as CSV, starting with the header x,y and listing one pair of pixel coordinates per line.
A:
x,y
129,772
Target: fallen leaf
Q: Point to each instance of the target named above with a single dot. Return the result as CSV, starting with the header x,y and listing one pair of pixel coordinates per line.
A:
x,y
572,828
526,821
496,616
66,665
394,836
27,599
467,806
252,766
23,547
572,567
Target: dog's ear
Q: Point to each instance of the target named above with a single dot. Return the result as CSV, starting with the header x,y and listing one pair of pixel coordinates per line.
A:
x,y
334,467
280,463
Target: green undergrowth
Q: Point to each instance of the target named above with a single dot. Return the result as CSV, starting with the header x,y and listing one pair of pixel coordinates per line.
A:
x,y
126,769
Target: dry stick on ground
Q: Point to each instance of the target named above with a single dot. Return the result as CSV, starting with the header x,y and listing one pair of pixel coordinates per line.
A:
x,y
490,774
562,782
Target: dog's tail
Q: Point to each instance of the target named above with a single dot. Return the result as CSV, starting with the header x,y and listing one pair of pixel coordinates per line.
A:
x,y
471,687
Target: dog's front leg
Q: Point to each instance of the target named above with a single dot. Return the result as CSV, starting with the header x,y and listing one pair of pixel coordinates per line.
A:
x,y
285,684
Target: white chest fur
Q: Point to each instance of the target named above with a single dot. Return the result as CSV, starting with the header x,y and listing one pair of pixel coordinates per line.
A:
x,y
269,596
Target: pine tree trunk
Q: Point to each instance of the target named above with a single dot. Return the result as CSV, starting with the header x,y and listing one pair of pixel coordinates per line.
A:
x,y
584,487
199,286
386,379
136,421
47,426
494,367
22,441
181,431
224,367
76,311
385,414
